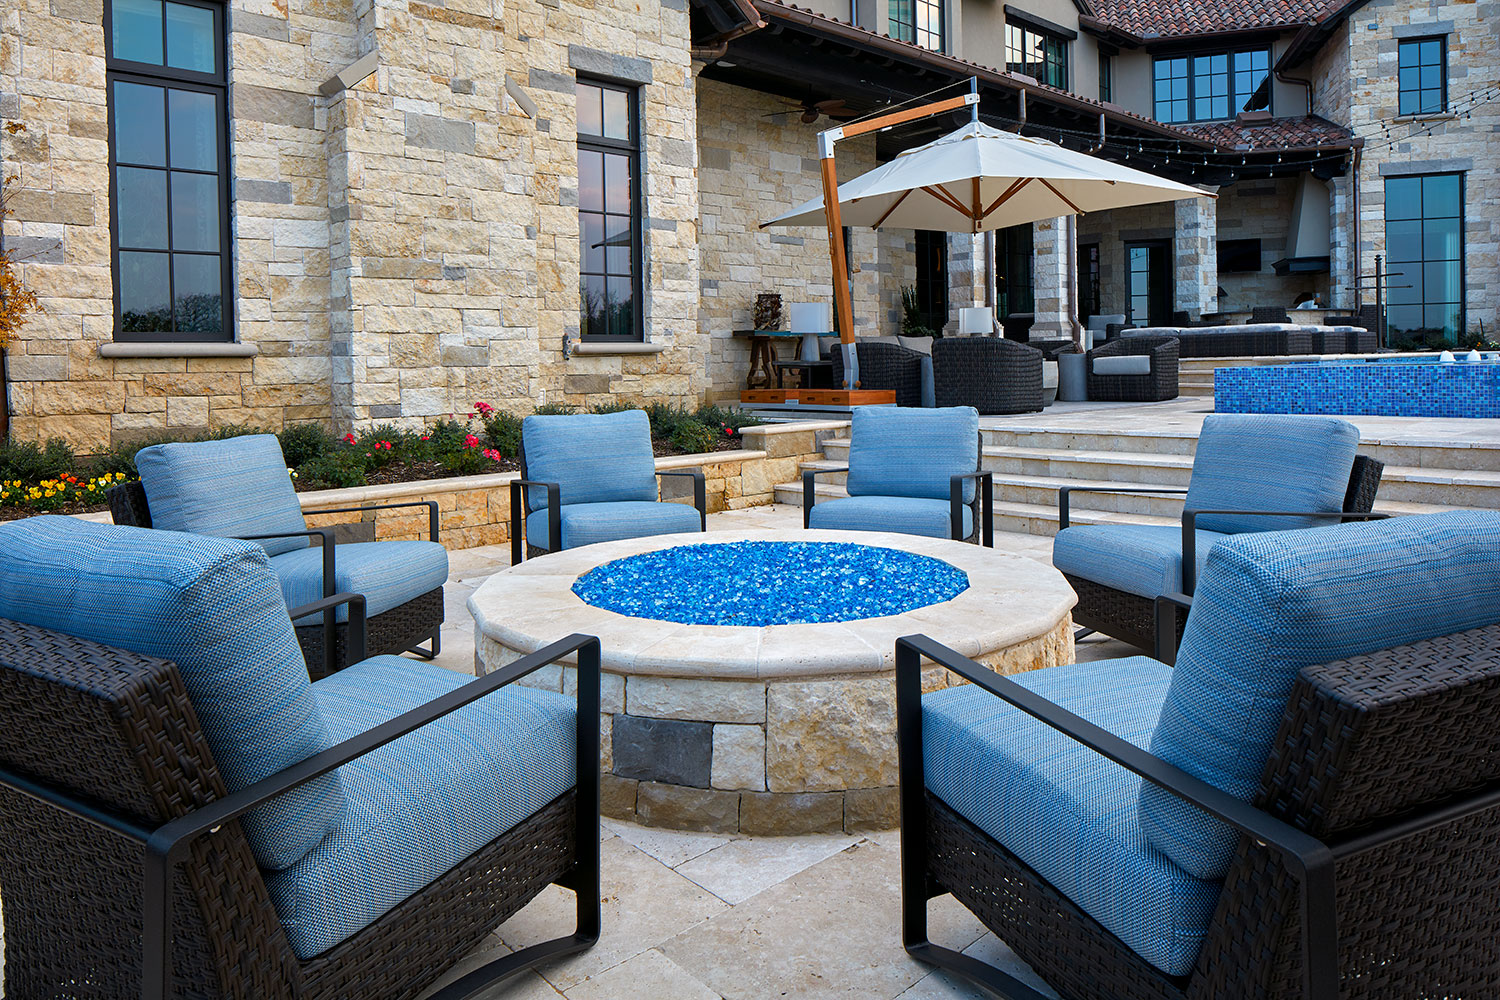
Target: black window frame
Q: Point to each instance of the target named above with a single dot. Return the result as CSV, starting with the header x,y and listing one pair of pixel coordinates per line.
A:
x,y
1106,76
1015,269
1017,41
932,278
1090,279
1415,44
1397,274
1167,294
168,78
910,31
631,149
1235,102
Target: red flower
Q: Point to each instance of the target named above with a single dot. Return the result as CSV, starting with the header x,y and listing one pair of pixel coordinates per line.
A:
x,y
484,408
426,437
491,453
349,438
471,441
383,444
729,431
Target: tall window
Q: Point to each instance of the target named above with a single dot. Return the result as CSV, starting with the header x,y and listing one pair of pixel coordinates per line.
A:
x,y
609,212
1422,68
1424,247
1090,281
932,278
169,171
1148,276
1106,77
1039,54
1013,271
919,21
1211,86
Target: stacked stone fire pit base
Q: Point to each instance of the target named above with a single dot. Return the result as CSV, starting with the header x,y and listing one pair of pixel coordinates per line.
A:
x,y
777,729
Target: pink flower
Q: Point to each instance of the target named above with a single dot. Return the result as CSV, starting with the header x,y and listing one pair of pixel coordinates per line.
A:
x,y
383,444
492,454
484,408
471,441
426,437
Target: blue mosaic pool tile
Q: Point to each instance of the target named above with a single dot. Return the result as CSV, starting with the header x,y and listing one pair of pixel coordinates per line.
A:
x,y
770,583
1411,389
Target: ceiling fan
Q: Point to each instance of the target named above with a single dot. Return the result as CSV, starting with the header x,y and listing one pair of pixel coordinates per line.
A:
x,y
809,111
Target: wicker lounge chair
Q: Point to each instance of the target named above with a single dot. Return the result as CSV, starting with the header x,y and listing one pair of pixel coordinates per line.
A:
x,y
198,811
1350,854
914,471
591,477
1133,370
1269,314
1053,346
1346,340
1248,465
987,373
888,366
239,488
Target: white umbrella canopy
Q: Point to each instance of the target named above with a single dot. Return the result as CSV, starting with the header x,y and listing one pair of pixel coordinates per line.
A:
x,y
980,178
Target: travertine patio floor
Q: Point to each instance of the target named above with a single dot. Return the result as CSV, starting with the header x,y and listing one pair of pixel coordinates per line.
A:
x,y
692,916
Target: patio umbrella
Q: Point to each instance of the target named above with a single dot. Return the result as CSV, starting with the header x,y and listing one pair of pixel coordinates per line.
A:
x,y
979,178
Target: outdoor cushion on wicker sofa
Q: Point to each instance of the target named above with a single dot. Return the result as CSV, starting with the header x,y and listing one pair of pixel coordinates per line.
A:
x,y
1133,364
1271,603
386,573
1068,813
214,608
418,806
1144,559
606,474
901,467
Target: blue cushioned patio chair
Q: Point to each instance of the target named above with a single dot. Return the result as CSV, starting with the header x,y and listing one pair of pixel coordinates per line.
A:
x,y
219,827
1306,808
592,477
913,471
1251,472
239,488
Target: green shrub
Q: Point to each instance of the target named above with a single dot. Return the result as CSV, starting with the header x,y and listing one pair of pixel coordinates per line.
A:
x,y
717,418
29,462
338,469
555,410
301,443
666,418
504,433
691,436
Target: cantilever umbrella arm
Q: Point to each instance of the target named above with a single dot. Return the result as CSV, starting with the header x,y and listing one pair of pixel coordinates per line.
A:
x,y
837,252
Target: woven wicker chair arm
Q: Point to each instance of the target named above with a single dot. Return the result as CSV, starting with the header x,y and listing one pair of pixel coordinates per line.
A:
x,y
700,491
1308,858
1190,533
431,505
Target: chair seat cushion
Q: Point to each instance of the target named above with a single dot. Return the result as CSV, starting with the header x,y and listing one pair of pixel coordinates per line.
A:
x,y
418,806
1065,811
388,573
587,523
907,515
1142,559
1128,364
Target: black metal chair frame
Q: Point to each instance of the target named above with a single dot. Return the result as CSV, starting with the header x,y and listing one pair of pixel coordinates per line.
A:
x,y
1309,860
326,643
167,846
519,504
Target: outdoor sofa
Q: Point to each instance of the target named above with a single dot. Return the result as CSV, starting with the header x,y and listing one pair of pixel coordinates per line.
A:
x,y
1251,472
912,471
1132,370
886,364
1264,340
185,815
592,477
1307,807
990,374
240,488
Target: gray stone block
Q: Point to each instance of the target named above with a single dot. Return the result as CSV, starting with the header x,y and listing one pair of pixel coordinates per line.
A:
x,y
10,105
714,157
382,411
794,241
88,11
271,192
586,384
607,64
687,808
677,152
276,28
267,104
680,5
465,357
432,132
670,225
545,79
455,272
666,750
35,249
461,86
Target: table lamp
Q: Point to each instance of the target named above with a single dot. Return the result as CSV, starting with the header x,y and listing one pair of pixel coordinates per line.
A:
x,y
976,321
811,319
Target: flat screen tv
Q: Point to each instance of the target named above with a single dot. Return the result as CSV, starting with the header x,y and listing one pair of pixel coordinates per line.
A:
x,y
1239,256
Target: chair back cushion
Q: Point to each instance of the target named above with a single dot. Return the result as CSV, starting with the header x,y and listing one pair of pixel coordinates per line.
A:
x,y
1272,603
213,607
1268,461
906,452
594,457
234,487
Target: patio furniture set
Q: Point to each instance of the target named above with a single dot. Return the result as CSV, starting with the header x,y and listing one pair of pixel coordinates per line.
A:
x,y
1269,817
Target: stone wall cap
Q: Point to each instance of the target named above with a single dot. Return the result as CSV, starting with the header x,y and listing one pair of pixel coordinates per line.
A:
x,y
177,349
618,347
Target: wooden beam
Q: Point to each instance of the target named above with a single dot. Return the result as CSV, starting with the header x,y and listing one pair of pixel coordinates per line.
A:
x,y
910,114
942,195
843,305
894,205
1010,192
1065,200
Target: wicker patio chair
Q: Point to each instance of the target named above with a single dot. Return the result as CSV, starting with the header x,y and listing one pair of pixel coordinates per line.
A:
x,y
1353,340
886,366
1249,471
988,373
239,488
1116,373
220,828
913,471
1351,851
1269,314
592,477
1053,346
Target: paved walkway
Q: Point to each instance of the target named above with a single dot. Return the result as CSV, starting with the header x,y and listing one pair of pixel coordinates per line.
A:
x,y
691,916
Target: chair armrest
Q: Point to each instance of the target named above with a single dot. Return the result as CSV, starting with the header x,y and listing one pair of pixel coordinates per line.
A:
x,y
355,638
700,492
431,505
986,505
326,534
1308,858
1190,537
1065,492
518,520
1166,624
809,490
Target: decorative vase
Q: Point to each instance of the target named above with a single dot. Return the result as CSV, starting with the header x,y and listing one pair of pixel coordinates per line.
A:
x,y
768,311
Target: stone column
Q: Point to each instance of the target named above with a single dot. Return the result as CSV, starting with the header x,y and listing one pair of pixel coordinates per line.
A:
x,y
1196,256
1052,248
1341,256
966,276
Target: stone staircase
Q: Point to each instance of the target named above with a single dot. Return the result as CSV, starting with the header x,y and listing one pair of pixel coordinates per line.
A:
x,y
1031,463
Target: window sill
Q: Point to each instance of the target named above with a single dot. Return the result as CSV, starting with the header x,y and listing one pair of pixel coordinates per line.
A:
x,y
619,347
1432,116
175,349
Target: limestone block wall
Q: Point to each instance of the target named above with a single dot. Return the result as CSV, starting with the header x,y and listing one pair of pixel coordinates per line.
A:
x,y
1112,230
1195,259
1262,209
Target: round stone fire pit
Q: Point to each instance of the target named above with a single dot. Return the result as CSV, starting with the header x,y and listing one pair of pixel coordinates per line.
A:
x,y
749,679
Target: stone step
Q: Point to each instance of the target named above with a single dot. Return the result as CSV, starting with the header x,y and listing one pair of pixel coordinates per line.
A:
x,y
791,493
1095,466
832,478
1042,519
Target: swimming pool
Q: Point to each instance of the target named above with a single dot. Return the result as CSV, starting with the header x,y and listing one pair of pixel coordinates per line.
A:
x,y
1397,387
